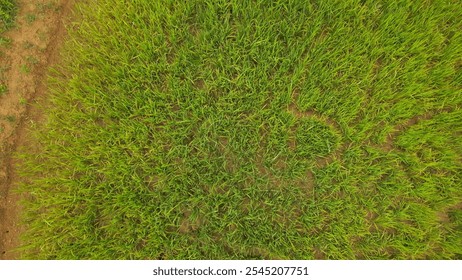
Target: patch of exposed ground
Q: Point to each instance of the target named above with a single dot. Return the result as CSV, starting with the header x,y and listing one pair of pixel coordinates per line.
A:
x,y
34,47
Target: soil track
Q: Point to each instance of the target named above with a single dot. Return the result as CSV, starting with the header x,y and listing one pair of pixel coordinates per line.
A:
x,y
34,47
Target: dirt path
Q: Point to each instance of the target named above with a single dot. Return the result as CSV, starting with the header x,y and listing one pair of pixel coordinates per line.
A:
x,y
23,68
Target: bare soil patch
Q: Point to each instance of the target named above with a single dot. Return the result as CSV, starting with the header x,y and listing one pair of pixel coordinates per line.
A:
x,y
34,47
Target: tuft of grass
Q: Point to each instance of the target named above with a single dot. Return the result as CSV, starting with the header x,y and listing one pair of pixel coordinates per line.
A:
x,y
32,60
7,13
30,18
172,135
11,118
3,89
28,45
5,42
23,101
44,7
24,69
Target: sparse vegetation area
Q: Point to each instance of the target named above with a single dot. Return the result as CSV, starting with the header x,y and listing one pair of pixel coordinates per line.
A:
x,y
7,12
252,129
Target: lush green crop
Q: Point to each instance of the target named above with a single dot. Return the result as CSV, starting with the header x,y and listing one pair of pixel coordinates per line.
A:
x,y
226,129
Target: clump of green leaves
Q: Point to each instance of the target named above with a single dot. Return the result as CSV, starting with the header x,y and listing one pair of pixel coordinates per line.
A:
x,y
3,89
30,18
7,13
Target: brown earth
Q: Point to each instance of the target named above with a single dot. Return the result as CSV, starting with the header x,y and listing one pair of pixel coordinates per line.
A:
x,y
34,47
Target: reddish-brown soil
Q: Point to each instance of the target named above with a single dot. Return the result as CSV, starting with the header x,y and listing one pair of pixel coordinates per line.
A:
x,y
24,63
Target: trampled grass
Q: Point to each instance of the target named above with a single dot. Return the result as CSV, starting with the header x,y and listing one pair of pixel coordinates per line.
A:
x,y
252,129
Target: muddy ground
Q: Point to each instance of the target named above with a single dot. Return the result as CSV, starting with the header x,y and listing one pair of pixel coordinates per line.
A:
x,y
24,64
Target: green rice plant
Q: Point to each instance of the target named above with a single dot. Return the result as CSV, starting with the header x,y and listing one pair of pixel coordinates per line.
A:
x,y
251,130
